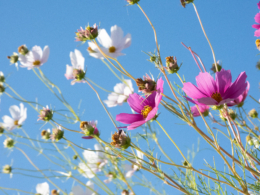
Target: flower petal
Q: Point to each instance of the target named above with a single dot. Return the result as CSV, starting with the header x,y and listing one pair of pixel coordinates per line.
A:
x,y
15,112
136,124
80,59
206,83
43,188
104,39
257,18
223,80
256,26
207,101
137,102
128,118
45,54
117,36
151,114
257,33
192,91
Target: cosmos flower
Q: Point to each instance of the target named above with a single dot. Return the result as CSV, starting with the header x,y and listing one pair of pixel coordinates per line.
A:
x,y
112,46
131,169
43,188
203,109
18,117
120,94
95,161
215,92
76,71
35,58
240,100
93,124
77,190
145,107
257,20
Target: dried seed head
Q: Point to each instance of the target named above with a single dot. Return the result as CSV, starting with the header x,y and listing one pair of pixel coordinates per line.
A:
x,y
23,50
120,140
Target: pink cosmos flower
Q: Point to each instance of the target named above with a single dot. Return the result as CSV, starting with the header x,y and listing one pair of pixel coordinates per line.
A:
x,y
240,100
145,107
203,109
215,92
257,20
96,132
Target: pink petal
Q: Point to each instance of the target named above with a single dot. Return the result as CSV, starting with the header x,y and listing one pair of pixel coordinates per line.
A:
x,y
223,80
207,101
256,26
159,86
206,83
137,102
237,88
87,137
151,114
258,5
128,118
257,18
257,33
151,98
136,124
192,91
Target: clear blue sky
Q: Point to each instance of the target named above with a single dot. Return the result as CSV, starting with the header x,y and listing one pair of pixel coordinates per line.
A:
x,y
54,23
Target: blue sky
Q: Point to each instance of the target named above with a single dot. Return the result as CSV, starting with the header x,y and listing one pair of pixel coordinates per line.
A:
x,y
54,23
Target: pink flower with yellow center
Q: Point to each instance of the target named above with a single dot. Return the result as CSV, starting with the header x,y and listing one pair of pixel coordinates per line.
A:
x,y
215,92
145,107
257,20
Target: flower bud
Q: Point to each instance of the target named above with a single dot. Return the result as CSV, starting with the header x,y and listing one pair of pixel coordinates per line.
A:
x,y
253,113
23,50
232,114
120,140
258,65
1,130
75,157
7,169
2,77
248,138
54,192
125,192
217,107
153,58
184,2
171,65
78,74
57,134
45,114
9,143
2,88
88,34
146,85
185,163
87,128
13,59
132,2
257,42
219,67
46,134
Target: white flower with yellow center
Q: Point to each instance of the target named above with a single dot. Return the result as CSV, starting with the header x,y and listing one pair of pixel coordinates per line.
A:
x,y
112,46
95,161
18,117
35,57
77,190
120,94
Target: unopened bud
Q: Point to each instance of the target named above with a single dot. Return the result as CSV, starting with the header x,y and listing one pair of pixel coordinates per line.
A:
x,y
88,33
171,65
1,130
45,114
132,2
54,192
23,50
219,67
152,58
45,134
13,59
185,163
9,143
2,88
121,140
2,77
75,157
87,128
57,134
258,65
217,107
232,114
184,2
146,85
125,192
7,169
253,113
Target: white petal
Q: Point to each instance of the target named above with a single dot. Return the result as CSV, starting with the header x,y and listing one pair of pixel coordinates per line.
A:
x,y
36,53
73,59
15,112
127,41
45,55
121,99
80,59
116,36
129,174
23,117
104,39
110,103
77,190
43,188
69,72
119,88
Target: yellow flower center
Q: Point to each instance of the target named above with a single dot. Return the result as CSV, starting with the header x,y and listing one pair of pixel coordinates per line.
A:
x,y
216,96
146,111
16,122
90,50
36,63
112,49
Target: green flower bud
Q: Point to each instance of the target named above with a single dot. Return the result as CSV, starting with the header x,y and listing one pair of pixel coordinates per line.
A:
x,y
1,130
57,134
219,67
13,59
7,169
253,113
120,140
45,134
217,107
2,88
232,114
87,128
75,157
132,2
152,58
9,143
23,50
184,2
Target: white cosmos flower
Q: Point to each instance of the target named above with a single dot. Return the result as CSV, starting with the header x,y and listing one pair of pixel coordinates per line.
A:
x,y
112,46
18,117
76,71
35,58
77,190
120,94
131,169
252,193
43,188
95,161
